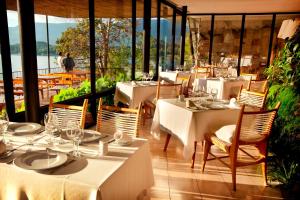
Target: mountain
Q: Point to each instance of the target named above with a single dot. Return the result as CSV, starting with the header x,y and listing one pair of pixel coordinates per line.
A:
x,y
55,30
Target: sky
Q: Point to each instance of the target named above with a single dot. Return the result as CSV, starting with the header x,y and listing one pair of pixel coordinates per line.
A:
x,y
12,17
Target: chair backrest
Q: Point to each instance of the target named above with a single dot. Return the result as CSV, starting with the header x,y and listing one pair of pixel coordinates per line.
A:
x,y
257,86
185,82
201,72
69,112
168,90
254,123
111,119
249,77
254,99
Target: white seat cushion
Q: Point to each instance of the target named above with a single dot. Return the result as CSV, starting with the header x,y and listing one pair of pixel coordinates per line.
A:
x,y
226,133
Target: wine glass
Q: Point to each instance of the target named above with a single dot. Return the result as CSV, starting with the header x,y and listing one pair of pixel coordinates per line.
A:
x,y
214,93
50,121
4,121
74,133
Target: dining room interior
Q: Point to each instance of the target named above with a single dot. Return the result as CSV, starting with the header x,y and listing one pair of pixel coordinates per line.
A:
x,y
149,99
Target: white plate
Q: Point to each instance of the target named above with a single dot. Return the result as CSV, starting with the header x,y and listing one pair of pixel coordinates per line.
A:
x,y
89,136
24,128
216,106
123,142
40,160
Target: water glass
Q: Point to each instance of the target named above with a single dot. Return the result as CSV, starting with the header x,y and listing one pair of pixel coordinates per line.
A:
x,y
51,122
214,93
74,133
4,121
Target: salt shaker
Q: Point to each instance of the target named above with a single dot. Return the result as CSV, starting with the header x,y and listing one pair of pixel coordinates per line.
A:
x,y
103,148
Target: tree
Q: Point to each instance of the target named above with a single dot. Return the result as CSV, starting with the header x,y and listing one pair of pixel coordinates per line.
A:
x,y
112,41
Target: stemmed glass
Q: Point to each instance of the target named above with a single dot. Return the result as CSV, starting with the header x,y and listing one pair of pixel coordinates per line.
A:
x,y
214,93
4,121
74,133
50,121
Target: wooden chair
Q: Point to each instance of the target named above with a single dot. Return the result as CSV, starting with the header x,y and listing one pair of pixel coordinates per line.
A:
x,y
111,119
257,86
69,112
202,72
255,100
252,129
185,82
249,77
163,91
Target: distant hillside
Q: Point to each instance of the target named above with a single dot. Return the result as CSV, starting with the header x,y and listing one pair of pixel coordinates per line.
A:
x,y
55,30
41,48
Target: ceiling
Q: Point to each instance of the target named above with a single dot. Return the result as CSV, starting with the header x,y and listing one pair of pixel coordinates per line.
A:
x,y
239,6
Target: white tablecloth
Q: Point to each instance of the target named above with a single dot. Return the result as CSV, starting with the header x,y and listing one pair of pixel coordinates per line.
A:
x,y
124,173
171,75
173,117
225,88
133,93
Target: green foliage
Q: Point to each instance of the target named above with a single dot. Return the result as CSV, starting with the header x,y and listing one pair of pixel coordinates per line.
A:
x,y
284,79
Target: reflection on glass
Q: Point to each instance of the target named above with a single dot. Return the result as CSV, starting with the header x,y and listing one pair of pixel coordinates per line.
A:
x,y
165,53
199,27
255,43
177,40
226,40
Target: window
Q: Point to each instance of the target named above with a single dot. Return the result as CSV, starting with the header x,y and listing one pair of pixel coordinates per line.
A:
x,y
199,31
165,53
226,41
177,40
255,43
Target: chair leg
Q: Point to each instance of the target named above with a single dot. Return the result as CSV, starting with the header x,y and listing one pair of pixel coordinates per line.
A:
x,y
233,171
167,142
264,172
206,150
194,154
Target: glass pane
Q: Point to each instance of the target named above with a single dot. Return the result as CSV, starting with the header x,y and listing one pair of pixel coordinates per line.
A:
x,y
177,40
200,34
14,40
2,92
153,37
139,39
278,43
63,55
256,43
113,33
226,40
165,53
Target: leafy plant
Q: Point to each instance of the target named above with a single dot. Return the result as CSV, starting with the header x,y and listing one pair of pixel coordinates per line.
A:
x,y
284,82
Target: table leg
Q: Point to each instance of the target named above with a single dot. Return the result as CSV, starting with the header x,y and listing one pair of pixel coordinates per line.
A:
x,y
167,142
194,154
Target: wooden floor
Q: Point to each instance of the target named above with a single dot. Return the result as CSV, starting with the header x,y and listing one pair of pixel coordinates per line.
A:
x,y
174,178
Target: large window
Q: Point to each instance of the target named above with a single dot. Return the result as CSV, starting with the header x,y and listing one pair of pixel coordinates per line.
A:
x,y
165,53
153,37
63,54
177,41
199,27
14,39
255,43
226,40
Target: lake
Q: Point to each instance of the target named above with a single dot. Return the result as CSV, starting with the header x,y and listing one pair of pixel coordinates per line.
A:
x,y
42,62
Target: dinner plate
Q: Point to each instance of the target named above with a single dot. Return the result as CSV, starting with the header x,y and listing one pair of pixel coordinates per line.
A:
x,y
216,106
40,160
24,128
123,142
89,136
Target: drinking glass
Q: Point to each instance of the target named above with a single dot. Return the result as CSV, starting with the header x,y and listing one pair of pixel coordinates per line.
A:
x,y
50,121
214,93
74,133
4,121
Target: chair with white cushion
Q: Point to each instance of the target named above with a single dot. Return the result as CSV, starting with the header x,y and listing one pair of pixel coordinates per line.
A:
x,y
252,129
255,100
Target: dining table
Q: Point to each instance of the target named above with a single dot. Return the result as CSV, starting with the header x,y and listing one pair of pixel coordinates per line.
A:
x,y
172,116
226,87
134,92
125,172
